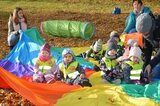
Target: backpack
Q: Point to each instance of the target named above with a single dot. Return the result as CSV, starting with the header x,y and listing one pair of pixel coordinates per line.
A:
x,y
116,10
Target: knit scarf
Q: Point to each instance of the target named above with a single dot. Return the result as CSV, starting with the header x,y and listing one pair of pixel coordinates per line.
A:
x,y
44,58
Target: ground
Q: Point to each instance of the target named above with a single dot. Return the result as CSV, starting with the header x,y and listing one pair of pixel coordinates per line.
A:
x,y
103,25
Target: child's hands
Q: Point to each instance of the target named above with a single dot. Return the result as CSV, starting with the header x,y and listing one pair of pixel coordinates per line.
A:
x,y
36,71
82,76
86,58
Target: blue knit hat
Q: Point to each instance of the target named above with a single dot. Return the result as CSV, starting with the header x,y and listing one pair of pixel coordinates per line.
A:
x,y
67,51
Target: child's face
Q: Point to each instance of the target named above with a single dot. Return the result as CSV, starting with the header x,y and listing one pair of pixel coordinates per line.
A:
x,y
20,14
112,52
67,58
134,59
44,53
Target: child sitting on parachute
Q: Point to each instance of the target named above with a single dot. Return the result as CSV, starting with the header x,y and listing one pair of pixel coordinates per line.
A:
x,y
45,66
132,67
70,71
108,64
96,51
130,43
120,46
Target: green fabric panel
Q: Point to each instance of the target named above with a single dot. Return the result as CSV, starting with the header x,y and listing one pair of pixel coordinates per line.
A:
x,y
64,28
151,90
35,35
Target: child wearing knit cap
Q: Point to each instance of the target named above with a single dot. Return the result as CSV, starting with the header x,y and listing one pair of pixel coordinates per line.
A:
x,y
70,71
132,67
108,64
130,43
96,51
45,66
120,47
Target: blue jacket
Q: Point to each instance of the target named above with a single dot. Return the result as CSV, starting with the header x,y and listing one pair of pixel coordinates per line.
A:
x,y
131,19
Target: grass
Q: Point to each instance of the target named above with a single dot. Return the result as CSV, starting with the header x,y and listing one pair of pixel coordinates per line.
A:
x,y
89,6
96,6
83,6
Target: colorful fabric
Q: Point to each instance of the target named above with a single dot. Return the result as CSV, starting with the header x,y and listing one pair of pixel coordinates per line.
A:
x,y
136,36
16,67
29,44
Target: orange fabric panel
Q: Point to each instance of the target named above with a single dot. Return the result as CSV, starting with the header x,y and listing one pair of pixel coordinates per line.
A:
x,y
3,84
136,36
39,94
88,72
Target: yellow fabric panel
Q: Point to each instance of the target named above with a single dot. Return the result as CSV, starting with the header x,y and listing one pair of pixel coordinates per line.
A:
x,y
95,79
93,61
79,50
102,95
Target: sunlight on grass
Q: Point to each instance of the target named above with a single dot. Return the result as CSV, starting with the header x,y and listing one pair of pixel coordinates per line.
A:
x,y
37,6
96,6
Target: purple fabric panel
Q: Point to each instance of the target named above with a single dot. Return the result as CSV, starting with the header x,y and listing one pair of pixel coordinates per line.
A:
x,y
17,69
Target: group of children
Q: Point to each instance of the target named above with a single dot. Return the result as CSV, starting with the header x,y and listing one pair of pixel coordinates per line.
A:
x,y
68,71
117,64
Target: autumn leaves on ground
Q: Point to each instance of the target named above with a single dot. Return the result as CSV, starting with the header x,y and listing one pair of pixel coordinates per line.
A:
x,y
103,24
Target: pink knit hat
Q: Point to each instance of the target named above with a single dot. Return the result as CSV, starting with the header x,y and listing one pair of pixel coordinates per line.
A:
x,y
135,51
46,47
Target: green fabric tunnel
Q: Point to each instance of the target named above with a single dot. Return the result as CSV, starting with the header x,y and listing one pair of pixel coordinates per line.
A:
x,y
64,28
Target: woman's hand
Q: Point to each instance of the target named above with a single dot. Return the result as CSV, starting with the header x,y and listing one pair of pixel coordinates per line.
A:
x,y
148,68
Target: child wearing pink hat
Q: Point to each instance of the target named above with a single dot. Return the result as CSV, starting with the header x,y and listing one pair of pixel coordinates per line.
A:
x,y
45,66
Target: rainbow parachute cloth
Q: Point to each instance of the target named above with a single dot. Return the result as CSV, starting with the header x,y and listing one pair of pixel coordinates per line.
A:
x,y
17,67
